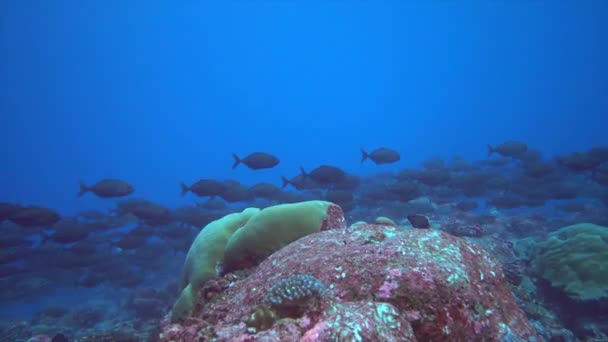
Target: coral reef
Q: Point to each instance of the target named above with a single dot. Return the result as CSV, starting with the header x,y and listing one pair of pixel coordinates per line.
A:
x,y
575,260
383,283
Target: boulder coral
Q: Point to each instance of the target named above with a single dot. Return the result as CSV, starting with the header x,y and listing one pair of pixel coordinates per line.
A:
x,y
203,258
575,259
383,283
243,239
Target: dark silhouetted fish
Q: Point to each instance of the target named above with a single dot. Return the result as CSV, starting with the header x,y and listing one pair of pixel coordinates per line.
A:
x,y
59,338
131,241
9,255
67,231
264,190
538,169
530,155
256,161
434,163
405,190
343,198
339,196
572,207
418,221
108,188
152,213
467,206
325,174
213,204
509,149
87,247
433,177
13,240
301,183
235,192
7,209
7,271
563,190
600,175
381,155
600,153
498,162
204,187
506,202
350,183
90,279
579,161
35,216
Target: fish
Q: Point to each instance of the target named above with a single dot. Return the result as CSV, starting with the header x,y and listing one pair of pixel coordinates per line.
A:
x,y
66,231
204,187
264,190
131,241
580,161
506,202
213,204
345,199
509,149
7,209
7,271
107,188
599,153
152,213
325,174
418,221
600,175
35,216
256,161
537,169
467,206
381,155
236,192
13,240
405,191
300,183
433,177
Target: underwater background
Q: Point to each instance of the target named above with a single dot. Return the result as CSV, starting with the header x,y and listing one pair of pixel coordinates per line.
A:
x,y
159,93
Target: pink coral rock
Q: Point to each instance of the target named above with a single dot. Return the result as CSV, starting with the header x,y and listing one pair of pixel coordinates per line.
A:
x,y
384,283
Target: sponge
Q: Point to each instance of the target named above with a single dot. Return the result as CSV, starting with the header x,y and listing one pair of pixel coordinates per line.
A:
x,y
203,258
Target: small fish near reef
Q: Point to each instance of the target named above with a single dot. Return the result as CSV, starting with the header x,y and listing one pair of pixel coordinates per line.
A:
x,y
256,161
204,187
34,216
509,149
107,188
325,174
381,155
419,221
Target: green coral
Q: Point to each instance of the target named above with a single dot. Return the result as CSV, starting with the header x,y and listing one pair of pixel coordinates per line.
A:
x,y
203,258
575,259
273,228
250,235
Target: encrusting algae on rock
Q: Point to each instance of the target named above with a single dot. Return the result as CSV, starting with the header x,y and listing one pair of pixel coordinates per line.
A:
x,y
411,285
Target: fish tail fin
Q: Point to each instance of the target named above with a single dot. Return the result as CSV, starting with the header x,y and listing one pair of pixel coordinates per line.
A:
x,y
185,188
490,150
83,189
286,182
237,161
364,155
303,172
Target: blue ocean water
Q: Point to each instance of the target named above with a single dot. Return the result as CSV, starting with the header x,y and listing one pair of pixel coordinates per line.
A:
x,y
158,93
